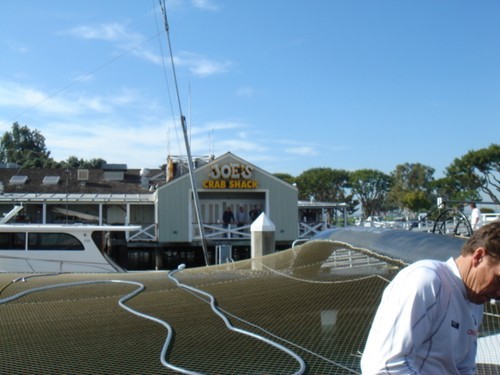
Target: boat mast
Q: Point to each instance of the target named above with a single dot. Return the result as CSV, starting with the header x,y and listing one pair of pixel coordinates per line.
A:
x,y
186,141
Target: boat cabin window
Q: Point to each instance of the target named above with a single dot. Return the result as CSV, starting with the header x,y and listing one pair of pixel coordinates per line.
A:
x,y
53,241
12,241
39,241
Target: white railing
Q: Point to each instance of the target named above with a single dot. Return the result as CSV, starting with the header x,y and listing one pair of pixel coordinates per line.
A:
x,y
309,229
149,233
218,232
488,218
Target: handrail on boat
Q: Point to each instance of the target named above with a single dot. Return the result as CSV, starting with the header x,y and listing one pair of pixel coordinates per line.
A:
x,y
298,240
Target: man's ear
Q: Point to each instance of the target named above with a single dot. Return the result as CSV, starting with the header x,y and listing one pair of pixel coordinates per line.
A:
x,y
478,256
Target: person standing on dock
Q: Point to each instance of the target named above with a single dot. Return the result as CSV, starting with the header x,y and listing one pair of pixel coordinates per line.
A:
x,y
241,218
255,213
475,217
227,219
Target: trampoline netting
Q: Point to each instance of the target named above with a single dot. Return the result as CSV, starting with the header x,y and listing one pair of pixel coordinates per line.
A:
x,y
316,300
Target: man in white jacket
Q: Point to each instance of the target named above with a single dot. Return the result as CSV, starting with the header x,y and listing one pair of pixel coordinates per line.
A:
x,y
476,220
430,314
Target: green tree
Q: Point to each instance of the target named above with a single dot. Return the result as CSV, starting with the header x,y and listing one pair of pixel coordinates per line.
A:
x,y
25,147
417,201
412,187
450,189
477,171
326,185
73,162
322,184
371,187
285,177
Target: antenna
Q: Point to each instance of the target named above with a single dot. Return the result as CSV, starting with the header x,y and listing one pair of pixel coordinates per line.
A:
x,y
196,198
190,115
168,141
211,148
209,141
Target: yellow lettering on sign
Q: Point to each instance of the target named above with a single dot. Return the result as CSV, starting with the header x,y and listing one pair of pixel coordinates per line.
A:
x,y
231,184
242,184
230,171
214,184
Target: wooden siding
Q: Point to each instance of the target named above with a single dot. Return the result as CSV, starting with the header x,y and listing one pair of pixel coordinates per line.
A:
x,y
175,211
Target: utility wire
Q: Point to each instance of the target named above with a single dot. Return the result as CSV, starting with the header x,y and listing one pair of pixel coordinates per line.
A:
x,y
74,82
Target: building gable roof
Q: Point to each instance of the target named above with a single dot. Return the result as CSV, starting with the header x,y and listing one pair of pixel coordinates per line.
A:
x,y
228,157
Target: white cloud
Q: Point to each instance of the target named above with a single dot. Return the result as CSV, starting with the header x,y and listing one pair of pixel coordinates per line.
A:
x,y
12,94
201,66
238,146
95,104
29,98
243,134
113,140
219,137
205,5
108,32
84,78
134,43
125,40
18,48
247,92
147,54
125,96
217,125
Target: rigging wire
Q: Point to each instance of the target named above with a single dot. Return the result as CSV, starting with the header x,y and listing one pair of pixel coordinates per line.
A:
x,y
165,75
283,274
186,140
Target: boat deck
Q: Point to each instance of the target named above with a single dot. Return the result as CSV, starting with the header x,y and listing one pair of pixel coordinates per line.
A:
x,y
317,301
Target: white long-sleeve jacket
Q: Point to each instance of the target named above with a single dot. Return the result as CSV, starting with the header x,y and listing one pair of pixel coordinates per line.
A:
x,y
424,325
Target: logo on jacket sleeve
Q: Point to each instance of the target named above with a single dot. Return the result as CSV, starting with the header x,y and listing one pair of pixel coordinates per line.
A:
x,y
455,325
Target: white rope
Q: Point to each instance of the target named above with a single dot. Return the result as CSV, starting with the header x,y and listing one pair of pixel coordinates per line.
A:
x,y
217,311
274,335
168,339
315,281
121,302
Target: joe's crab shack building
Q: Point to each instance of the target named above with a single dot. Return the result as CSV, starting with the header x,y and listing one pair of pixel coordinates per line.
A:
x,y
162,203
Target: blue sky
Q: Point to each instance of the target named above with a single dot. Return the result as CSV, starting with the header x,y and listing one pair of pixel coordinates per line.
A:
x,y
286,85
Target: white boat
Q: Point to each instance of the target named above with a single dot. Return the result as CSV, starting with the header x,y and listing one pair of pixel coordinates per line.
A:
x,y
56,247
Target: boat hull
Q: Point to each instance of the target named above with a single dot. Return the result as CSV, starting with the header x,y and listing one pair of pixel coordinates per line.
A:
x,y
50,248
